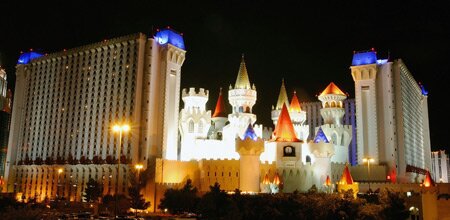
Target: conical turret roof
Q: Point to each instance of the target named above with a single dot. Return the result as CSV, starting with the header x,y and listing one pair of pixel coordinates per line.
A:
x,y
346,176
320,136
220,110
282,97
332,89
266,179
284,131
428,181
295,104
250,133
242,81
276,179
328,181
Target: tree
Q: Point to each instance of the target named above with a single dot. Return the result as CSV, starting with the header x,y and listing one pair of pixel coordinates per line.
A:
x,y
394,205
216,204
137,200
92,191
180,200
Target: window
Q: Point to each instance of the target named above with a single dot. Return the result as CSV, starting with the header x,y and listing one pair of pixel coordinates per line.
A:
x,y
191,126
289,151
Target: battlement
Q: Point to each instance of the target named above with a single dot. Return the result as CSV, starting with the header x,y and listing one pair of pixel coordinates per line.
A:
x,y
193,92
333,126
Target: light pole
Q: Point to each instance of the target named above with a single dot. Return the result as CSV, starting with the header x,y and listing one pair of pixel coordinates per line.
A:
x,y
138,168
368,160
60,170
119,129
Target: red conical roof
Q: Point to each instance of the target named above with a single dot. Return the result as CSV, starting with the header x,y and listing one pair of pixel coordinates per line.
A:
x,y
284,131
346,176
428,180
332,89
328,181
276,179
266,179
295,104
220,107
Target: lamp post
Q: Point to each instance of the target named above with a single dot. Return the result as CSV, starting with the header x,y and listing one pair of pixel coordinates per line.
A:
x,y
60,170
138,168
119,129
368,160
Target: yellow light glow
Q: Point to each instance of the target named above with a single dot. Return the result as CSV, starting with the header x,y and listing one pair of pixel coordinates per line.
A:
x,y
60,171
139,166
121,128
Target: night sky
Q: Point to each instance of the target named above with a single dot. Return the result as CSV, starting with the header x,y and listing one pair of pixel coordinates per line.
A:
x,y
307,45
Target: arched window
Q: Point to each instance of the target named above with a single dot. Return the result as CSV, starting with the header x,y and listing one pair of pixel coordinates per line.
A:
x,y
308,159
334,138
333,104
241,109
191,126
327,105
247,109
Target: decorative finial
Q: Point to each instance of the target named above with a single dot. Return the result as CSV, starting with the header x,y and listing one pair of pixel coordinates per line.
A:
x,y
220,91
242,57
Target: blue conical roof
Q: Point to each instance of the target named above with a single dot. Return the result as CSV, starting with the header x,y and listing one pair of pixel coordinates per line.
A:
x,y
320,136
250,133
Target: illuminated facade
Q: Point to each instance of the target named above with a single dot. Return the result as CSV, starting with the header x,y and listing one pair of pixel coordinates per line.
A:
x,y
5,118
440,166
392,115
66,104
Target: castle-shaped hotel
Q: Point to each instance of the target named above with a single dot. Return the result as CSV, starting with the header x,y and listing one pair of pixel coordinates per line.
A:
x,y
66,103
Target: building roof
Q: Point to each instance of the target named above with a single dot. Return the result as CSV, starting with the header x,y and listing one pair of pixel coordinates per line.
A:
x,y
295,104
332,89
242,81
250,133
284,131
428,181
220,110
328,181
364,58
25,58
320,136
276,179
282,97
346,176
169,36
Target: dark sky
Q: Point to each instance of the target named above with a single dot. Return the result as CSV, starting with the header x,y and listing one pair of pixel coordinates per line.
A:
x,y
307,45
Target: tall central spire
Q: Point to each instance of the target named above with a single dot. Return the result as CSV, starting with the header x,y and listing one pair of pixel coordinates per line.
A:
x,y
242,81
282,97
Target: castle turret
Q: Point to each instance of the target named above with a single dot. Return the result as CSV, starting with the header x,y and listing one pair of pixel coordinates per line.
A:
x,y
288,152
219,117
282,100
321,151
346,183
332,113
194,120
242,98
298,117
332,108
249,148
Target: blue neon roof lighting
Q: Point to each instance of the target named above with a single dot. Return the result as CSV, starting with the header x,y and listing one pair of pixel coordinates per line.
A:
x,y
320,137
364,58
168,36
250,133
25,58
424,91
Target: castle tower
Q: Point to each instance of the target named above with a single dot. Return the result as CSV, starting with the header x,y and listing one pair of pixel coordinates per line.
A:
x,y
242,98
194,120
282,100
288,146
219,117
346,183
321,151
249,148
332,113
332,108
298,117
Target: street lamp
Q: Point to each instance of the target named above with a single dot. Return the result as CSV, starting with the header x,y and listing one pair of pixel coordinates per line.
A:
x,y
138,168
123,128
60,170
368,160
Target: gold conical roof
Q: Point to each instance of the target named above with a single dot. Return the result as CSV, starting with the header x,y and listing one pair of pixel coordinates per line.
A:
x,y
282,97
242,81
